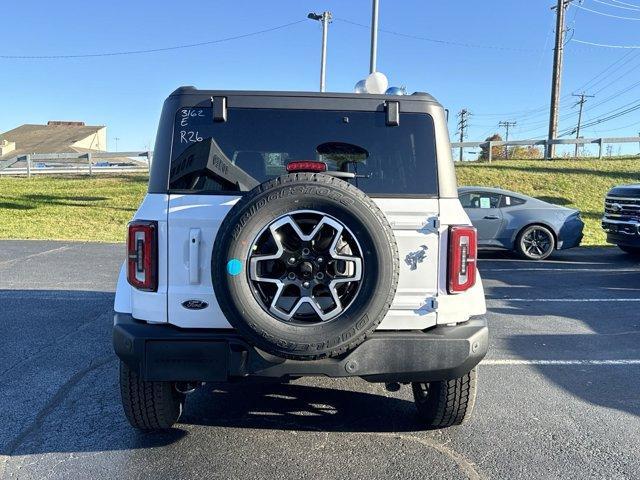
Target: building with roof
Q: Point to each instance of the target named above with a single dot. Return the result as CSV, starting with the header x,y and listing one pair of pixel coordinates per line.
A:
x,y
54,137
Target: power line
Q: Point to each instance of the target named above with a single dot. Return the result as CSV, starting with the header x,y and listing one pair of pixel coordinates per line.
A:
x,y
607,116
546,43
435,40
540,111
621,128
150,50
505,114
539,124
618,78
635,9
605,45
625,3
615,95
604,14
621,59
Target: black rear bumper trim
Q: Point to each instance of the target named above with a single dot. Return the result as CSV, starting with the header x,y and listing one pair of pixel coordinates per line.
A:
x,y
164,352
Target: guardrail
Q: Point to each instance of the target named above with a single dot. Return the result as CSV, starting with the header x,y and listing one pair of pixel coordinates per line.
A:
x,y
558,141
88,165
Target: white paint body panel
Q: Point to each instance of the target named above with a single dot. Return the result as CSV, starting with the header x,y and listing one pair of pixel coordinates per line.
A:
x,y
455,308
186,213
122,302
187,227
413,223
148,306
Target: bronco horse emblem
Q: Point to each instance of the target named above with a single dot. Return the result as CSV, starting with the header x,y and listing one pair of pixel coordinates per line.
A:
x,y
414,258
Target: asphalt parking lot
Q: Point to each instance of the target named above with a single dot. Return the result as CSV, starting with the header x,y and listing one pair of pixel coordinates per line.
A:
x,y
559,393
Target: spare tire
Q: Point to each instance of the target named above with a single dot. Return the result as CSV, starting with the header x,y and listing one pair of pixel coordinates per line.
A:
x,y
305,266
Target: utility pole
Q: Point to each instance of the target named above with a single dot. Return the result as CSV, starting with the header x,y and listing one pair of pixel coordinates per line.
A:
x,y
463,123
507,125
116,139
558,51
323,18
583,98
374,37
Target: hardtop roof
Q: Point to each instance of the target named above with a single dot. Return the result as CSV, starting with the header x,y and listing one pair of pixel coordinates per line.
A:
x,y
190,90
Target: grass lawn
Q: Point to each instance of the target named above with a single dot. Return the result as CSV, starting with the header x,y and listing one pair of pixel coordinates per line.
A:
x,y
98,208
69,208
580,184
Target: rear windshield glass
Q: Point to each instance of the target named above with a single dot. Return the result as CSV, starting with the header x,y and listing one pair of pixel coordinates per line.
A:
x,y
254,145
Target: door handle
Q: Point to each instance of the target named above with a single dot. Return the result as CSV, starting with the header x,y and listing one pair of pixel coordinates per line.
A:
x,y
194,256
492,217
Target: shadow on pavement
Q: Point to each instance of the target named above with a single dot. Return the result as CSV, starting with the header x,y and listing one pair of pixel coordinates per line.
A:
x,y
299,407
572,255
611,386
612,323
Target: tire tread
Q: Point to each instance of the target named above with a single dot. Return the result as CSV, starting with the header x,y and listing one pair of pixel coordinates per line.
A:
x,y
149,405
448,402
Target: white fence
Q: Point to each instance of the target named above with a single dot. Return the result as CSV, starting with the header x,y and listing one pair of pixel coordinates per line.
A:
x,y
559,141
84,164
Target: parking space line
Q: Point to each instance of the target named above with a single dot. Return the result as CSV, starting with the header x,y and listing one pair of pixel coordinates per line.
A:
x,y
14,260
516,269
548,262
59,295
517,361
575,300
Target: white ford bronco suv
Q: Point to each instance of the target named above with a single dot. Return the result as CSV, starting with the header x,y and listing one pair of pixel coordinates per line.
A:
x,y
289,234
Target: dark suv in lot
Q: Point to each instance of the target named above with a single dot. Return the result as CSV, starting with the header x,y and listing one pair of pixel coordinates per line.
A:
x,y
621,218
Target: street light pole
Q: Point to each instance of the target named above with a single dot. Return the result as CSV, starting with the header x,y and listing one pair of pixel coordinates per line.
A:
x,y
324,18
374,37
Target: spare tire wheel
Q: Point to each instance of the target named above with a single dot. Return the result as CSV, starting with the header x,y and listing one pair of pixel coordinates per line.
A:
x,y
305,266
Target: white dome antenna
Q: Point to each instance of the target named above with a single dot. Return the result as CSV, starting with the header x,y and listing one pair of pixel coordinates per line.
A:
x,y
376,83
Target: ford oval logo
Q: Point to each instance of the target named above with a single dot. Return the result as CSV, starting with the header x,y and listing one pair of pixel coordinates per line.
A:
x,y
195,304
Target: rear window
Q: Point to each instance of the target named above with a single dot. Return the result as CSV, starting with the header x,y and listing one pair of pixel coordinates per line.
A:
x,y
254,145
509,201
480,200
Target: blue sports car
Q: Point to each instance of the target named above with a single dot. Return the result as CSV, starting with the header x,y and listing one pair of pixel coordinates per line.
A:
x,y
513,221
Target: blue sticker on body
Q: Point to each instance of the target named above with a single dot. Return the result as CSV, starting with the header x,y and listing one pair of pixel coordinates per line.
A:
x,y
234,266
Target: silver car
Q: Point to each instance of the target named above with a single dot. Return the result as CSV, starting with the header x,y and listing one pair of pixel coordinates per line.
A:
x,y
526,225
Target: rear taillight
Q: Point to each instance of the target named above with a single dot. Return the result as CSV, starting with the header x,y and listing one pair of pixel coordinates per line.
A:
x,y
142,255
462,258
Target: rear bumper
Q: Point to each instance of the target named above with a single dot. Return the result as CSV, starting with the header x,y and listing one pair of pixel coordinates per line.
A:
x,y
571,241
571,233
167,353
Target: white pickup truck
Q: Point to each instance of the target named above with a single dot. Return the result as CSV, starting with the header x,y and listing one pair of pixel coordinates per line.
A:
x,y
288,234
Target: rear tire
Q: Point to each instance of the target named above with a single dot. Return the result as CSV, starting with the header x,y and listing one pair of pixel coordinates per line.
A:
x,y
635,251
446,403
149,405
535,242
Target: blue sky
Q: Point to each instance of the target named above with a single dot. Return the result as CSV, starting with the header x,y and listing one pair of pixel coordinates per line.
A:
x,y
508,80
